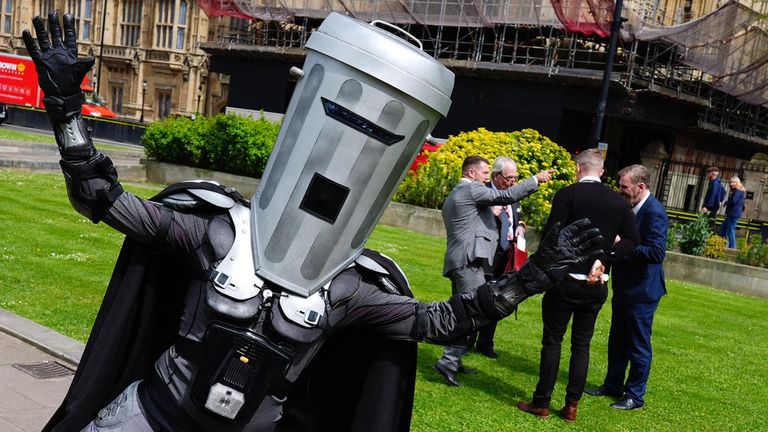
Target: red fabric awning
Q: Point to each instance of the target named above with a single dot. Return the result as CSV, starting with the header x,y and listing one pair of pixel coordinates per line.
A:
x,y
218,8
587,17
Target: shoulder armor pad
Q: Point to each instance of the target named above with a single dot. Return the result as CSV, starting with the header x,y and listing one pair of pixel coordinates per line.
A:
x,y
390,276
185,196
371,265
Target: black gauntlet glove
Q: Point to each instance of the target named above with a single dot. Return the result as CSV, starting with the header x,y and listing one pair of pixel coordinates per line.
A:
x,y
59,71
560,252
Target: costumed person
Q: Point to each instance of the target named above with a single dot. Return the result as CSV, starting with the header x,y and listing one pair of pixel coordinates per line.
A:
x,y
224,315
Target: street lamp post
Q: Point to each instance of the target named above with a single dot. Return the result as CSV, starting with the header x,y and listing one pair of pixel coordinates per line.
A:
x,y
143,94
597,127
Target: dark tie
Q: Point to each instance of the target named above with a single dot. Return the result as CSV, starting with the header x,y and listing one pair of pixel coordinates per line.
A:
x,y
503,242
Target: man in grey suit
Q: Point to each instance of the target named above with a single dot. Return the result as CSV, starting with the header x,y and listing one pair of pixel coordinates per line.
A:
x,y
472,237
503,176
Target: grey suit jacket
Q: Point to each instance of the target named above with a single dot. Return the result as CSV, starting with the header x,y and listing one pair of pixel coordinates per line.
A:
x,y
471,229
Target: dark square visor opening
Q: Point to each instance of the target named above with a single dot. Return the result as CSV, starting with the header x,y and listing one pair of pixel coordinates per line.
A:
x,y
324,198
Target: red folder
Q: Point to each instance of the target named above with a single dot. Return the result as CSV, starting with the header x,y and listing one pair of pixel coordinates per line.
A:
x,y
517,256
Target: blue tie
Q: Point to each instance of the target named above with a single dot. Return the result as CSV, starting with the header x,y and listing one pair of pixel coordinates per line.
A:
x,y
503,242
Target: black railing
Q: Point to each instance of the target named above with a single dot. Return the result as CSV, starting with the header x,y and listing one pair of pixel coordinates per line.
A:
x,y
127,131
683,184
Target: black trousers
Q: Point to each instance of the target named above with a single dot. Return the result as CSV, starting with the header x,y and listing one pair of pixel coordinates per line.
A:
x,y
485,337
485,334
582,302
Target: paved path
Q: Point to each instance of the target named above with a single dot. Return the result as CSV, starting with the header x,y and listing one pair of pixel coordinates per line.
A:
x,y
26,401
43,157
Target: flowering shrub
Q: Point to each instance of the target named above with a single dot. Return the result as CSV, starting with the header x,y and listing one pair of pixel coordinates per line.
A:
x,y
752,251
715,247
532,151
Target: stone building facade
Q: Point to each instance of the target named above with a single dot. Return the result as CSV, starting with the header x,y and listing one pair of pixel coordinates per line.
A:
x,y
147,52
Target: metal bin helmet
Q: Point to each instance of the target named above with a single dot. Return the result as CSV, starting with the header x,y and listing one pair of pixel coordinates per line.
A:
x,y
358,117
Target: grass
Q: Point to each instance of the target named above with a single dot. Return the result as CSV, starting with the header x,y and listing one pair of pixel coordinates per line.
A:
x,y
47,138
709,368
16,135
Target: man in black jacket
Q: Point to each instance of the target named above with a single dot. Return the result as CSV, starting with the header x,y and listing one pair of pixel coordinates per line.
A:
x,y
580,295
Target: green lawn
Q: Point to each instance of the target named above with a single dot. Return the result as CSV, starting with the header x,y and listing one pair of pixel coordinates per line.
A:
x,y
46,138
709,369
16,135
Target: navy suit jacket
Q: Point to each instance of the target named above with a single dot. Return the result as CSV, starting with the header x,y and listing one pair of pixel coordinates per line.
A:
x,y
734,207
715,195
639,276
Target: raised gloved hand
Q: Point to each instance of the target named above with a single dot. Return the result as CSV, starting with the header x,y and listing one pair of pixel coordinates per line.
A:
x,y
59,71
560,252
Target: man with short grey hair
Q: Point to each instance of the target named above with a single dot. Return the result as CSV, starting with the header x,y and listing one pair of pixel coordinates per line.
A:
x,y
503,176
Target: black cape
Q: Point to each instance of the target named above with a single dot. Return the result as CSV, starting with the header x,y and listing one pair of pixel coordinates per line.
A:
x,y
358,382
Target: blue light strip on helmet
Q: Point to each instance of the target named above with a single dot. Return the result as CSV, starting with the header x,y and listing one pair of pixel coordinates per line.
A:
x,y
358,123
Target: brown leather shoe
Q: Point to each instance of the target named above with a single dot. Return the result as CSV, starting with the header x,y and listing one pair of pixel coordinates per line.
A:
x,y
533,409
568,413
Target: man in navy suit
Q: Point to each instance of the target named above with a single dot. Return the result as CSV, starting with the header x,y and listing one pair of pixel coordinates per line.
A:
x,y
638,284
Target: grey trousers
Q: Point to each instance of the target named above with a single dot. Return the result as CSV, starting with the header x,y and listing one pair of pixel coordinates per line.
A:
x,y
124,414
463,279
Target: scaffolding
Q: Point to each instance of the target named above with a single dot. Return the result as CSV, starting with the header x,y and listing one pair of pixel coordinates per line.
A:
x,y
714,57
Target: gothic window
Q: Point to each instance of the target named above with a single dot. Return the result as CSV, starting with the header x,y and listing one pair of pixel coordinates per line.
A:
x,y
83,12
163,104
6,11
164,26
171,24
43,7
117,99
130,27
181,25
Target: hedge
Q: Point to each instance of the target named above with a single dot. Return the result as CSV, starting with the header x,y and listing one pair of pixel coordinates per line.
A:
x,y
225,142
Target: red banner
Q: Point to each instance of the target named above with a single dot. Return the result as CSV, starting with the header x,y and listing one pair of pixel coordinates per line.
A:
x,y
18,81
587,17
218,8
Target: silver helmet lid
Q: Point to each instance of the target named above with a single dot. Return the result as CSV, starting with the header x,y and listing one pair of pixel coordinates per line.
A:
x,y
364,104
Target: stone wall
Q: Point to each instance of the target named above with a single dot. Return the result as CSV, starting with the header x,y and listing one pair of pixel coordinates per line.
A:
x,y
718,274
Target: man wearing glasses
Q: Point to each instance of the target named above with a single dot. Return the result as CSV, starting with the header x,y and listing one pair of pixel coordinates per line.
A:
x,y
472,238
503,176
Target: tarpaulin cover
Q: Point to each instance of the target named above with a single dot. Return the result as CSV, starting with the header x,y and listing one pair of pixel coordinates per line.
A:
x,y
587,17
